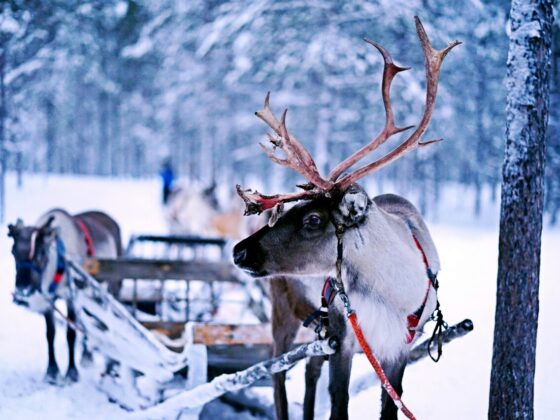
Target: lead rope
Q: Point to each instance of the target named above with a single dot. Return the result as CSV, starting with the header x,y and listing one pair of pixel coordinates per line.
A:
x,y
339,287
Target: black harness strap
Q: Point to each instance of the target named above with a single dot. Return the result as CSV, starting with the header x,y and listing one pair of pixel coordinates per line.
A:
x,y
321,316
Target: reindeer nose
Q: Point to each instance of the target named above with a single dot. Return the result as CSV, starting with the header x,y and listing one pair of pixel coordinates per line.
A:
x,y
248,255
239,255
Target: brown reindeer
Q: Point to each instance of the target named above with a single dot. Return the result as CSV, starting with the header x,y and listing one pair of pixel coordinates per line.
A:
x,y
388,258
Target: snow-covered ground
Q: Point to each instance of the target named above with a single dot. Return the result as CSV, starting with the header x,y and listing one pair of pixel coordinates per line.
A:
x,y
456,387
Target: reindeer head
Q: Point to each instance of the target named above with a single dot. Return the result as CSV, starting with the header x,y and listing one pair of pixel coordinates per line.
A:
x,y
308,229
31,253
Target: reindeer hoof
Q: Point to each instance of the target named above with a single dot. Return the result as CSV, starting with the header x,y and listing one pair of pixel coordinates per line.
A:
x,y
72,375
52,376
87,359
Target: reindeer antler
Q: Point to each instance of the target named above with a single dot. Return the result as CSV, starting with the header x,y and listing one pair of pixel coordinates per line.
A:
x,y
390,70
300,160
433,59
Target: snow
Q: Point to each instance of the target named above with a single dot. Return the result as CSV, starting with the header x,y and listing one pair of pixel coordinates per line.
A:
x,y
23,70
137,50
457,387
8,24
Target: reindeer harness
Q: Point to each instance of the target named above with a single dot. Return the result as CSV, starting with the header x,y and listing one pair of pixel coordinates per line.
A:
x,y
61,251
334,286
60,265
87,236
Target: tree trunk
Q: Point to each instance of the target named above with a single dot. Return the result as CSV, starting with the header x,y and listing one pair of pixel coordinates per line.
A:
x,y
205,163
116,140
104,152
517,304
51,135
19,169
3,57
481,140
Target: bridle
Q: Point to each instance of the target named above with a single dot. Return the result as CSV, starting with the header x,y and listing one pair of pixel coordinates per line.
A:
x,y
31,262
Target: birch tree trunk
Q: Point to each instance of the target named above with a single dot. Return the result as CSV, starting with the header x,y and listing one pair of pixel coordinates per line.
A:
x,y
517,303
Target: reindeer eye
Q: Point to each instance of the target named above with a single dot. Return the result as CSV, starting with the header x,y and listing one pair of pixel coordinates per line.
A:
x,y
313,221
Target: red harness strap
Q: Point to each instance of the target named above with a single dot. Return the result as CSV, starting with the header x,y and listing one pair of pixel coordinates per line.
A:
x,y
377,367
87,236
414,318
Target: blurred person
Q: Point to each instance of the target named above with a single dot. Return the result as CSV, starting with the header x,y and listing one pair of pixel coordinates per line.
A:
x,y
168,178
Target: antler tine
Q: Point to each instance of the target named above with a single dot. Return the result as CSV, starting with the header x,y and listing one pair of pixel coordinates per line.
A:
x,y
433,60
390,70
256,203
298,158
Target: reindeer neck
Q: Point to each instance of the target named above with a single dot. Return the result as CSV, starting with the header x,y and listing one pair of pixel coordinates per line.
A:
x,y
380,260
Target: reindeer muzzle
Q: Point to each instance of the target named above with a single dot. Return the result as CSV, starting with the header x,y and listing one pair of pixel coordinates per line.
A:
x,y
249,257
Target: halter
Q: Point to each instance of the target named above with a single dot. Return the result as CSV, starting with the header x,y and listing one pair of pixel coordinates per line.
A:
x,y
335,286
60,265
28,264
339,288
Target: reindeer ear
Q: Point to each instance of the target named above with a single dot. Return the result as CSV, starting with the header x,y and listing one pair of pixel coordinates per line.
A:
x,y
275,213
13,229
354,205
46,228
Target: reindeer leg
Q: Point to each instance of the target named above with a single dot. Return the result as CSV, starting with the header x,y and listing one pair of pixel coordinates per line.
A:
x,y
52,374
87,356
394,372
340,365
72,373
284,329
312,374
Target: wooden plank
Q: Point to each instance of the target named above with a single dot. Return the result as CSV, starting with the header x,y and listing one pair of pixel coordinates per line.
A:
x,y
148,269
215,334
226,334
179,239
172,330
232,358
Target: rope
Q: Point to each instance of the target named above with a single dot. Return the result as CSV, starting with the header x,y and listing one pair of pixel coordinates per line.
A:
x,y
69,322
339,287
377,367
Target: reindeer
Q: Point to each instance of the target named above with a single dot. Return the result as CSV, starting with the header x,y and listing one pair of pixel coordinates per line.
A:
x,y
192,211
40,254
378,251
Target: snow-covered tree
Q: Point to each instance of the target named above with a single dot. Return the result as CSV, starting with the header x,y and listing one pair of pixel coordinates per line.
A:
x,y
517,300
113,87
